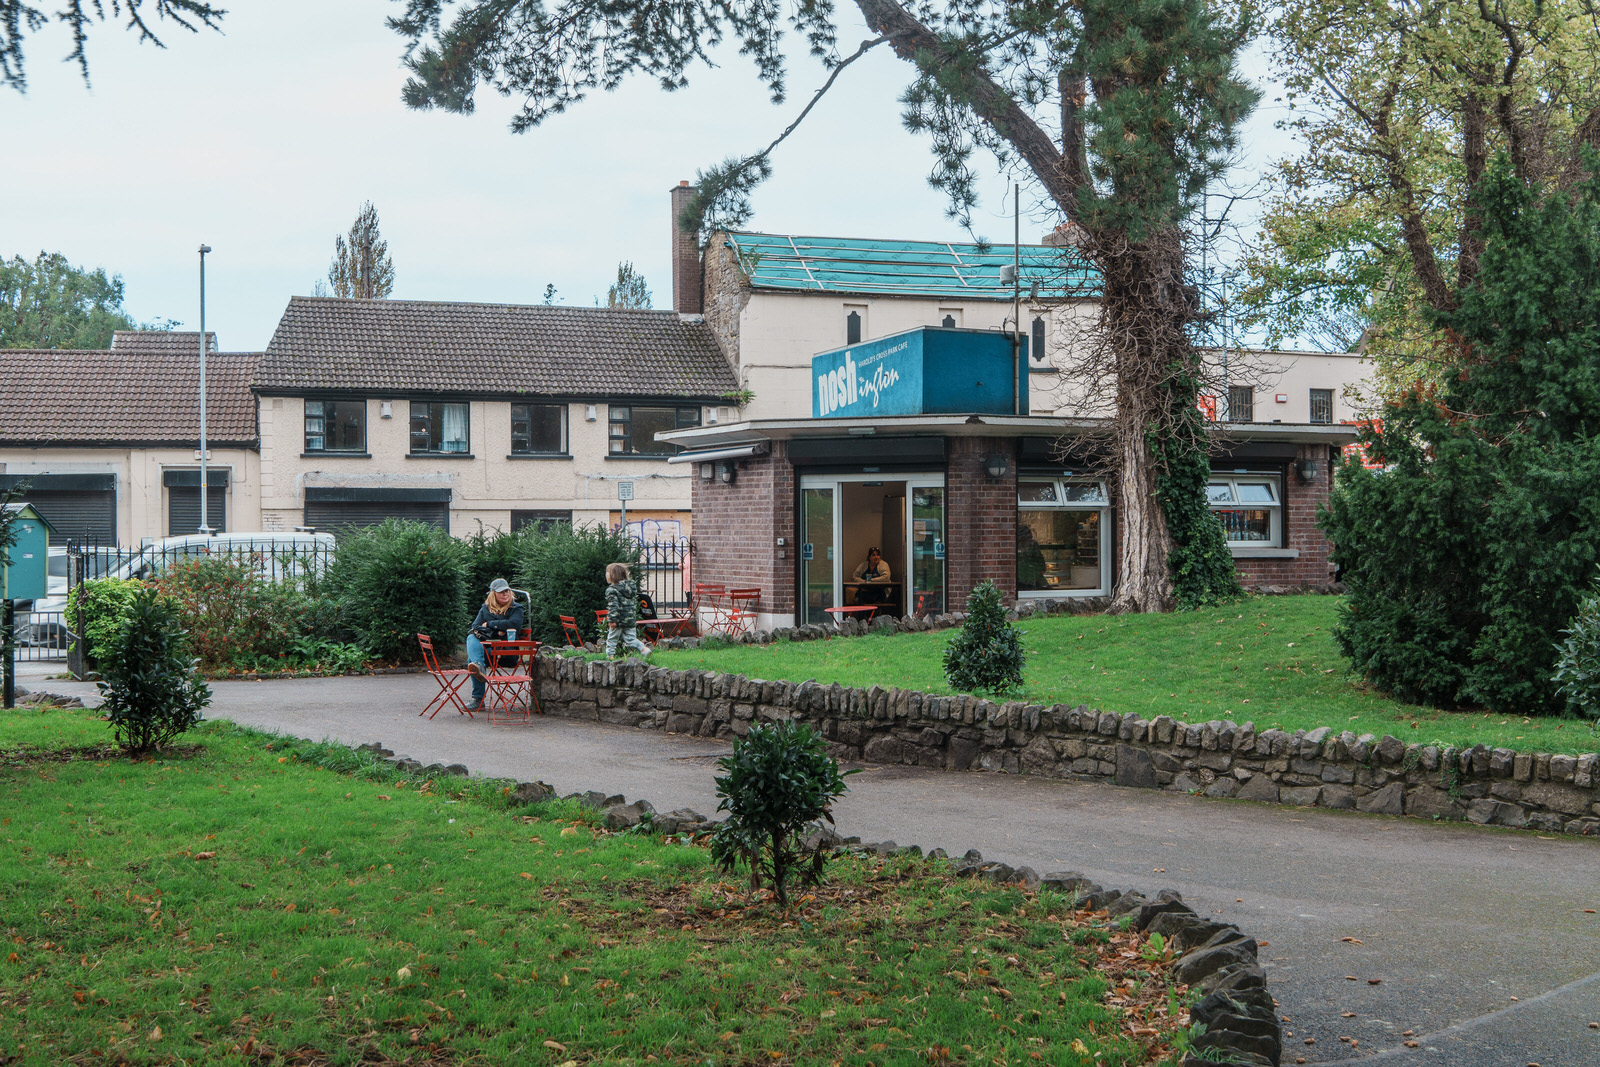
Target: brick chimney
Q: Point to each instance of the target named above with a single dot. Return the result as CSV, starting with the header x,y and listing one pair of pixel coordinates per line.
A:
x,y
688,275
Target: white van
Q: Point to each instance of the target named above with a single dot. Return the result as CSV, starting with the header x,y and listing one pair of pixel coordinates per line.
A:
x,y
278,556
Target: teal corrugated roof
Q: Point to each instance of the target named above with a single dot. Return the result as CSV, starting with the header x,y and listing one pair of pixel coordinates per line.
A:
x,y
905,268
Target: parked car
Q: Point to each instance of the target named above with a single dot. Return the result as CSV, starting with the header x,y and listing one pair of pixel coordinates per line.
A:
x,y
39,622
279,557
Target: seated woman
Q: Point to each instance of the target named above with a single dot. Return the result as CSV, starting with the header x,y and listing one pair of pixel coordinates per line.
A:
x,y
873,570
500,618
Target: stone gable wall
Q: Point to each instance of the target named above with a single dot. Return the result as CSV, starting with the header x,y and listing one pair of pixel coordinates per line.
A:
x,y
1551,793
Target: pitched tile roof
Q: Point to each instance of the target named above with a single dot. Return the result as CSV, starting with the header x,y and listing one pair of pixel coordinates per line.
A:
x,y
144,390
399,346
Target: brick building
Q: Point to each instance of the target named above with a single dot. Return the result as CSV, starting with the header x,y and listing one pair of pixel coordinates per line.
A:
x,y
885,407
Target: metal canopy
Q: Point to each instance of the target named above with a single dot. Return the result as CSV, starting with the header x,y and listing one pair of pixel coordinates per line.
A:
x,y
907,268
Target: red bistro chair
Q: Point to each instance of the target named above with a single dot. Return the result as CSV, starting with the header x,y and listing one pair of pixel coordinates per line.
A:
x,y
511,695
449,679
569,628
742,612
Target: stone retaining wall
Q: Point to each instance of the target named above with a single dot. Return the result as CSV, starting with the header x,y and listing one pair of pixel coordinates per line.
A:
x,y
1552,793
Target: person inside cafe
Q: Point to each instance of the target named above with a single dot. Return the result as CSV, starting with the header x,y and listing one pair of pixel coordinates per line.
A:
x,y
873,571
498,619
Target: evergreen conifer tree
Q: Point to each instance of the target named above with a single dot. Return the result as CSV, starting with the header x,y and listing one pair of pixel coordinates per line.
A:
x,y
361,266
1466,556
986,654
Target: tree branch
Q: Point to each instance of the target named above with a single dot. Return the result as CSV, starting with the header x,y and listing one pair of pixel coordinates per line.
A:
x,y
915,43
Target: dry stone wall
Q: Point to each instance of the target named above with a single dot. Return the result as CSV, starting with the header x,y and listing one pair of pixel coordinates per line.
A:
x,y
1552,793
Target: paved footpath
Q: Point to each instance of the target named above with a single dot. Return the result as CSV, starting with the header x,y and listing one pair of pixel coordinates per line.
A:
x,y
1478,937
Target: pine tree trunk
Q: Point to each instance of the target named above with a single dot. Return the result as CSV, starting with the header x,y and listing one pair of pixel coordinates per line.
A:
x,y
1144,318
1144,582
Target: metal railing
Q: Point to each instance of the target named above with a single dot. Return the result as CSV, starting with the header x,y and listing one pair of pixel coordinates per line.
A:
x,y
666,572
41,636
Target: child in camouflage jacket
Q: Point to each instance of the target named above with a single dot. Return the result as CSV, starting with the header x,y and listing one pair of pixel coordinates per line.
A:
x,y
622,611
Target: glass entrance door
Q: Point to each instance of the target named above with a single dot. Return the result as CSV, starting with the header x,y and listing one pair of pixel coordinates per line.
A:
x,y
817,564
925,547
842,516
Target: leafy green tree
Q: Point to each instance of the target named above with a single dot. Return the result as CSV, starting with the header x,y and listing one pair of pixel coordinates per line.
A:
x,y
152,693
629,290
51,304
18,19
1118,112
986,654
1465,558
564,572
398,579
362,267
1399,107
779,784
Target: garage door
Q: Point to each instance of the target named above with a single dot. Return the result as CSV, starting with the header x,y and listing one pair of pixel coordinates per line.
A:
x,y
183,501
336,510
78,507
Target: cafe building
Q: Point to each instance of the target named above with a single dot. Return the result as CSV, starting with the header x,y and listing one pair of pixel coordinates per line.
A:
x,y
941,441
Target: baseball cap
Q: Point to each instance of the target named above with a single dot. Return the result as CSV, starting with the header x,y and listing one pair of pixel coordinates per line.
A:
x,y
499,585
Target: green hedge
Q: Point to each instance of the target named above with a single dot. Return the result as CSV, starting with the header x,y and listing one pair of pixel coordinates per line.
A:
x,y
564,571
398,579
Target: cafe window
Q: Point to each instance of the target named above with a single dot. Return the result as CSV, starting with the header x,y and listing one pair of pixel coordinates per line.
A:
x,y
538,429
634,428
1250,507
336,425
438,427
1061,529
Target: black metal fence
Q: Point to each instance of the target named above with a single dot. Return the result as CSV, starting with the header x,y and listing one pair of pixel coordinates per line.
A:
x,y
45,628
666,572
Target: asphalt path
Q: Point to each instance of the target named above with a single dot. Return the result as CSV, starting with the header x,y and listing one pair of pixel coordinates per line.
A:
x,y
1475,940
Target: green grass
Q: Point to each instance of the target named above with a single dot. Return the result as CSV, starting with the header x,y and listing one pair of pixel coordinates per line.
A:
x,y
240,904
1267,660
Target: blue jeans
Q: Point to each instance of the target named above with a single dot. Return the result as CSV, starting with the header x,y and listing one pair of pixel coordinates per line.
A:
x,y
475,655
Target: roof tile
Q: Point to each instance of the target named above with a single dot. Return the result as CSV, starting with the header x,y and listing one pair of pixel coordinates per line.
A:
x,y
333,344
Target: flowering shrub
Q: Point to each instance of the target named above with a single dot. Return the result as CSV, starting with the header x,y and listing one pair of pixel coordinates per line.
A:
x,y
234,617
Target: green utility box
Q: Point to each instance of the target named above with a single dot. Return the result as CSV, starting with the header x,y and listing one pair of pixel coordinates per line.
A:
x,y
28,576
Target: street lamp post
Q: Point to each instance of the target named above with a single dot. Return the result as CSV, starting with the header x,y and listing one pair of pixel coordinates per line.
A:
x,y
205,527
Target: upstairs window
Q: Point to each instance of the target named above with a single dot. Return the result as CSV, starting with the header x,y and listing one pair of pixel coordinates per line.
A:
x,y
1036,340
634,428
1322,405
438,427
1241,403
538,429
852,327
336,425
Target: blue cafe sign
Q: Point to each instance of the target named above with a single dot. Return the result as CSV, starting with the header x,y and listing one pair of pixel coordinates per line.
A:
x,y
927,371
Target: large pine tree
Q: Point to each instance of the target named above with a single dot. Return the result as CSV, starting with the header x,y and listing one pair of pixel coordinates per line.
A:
x,y
1119,111
1465,558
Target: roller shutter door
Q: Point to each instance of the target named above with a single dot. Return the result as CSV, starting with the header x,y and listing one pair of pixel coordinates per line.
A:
x,y
78,507
335,516
183,509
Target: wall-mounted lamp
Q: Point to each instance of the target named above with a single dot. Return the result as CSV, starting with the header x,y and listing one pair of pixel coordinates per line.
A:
x,y
725,471
707,471
996,465
1309,470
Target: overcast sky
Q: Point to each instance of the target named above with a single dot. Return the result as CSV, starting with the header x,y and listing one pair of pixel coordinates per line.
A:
x,y
264,141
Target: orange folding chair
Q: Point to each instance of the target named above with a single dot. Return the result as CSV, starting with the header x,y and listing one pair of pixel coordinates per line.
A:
x,y
708,604
600,615
742,610
569,628
449,680
510,695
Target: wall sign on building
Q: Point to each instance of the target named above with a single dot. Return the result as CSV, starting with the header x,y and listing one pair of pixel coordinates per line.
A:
x,y
924,371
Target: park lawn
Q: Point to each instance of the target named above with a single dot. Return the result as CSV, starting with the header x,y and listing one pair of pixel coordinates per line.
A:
x,y
1270,660
247,899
